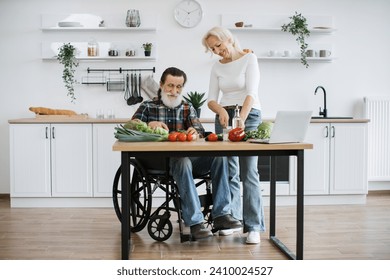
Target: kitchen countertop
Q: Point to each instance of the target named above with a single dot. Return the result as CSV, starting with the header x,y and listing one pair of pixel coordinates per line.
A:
x,y
56,119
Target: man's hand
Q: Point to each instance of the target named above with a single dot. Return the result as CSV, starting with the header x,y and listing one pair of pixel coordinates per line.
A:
x,y
193,132
156,124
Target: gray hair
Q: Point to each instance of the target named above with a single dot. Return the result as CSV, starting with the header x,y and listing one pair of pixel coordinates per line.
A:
x,y
222,34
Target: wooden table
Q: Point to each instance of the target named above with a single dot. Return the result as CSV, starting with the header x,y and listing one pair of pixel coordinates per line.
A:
x,y
220,148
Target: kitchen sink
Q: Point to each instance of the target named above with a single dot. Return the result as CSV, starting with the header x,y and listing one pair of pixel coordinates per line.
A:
x,y
326,118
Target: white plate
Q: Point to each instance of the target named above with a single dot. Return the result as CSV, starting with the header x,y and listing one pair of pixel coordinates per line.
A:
x,y
69,24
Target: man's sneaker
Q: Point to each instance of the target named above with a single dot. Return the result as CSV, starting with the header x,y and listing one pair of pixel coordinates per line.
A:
x,y
253,237
199,232
225,232
226,222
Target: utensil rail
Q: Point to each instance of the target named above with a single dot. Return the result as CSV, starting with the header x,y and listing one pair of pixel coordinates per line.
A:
x,y
120,70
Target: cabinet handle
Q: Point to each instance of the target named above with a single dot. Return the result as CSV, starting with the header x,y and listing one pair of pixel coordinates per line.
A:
x,y
326,131
52,133
333,131
46,130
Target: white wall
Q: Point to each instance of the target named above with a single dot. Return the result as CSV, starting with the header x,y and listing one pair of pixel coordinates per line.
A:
x,y
361,42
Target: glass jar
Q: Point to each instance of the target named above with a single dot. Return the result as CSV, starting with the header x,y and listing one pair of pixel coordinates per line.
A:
x,y
93,48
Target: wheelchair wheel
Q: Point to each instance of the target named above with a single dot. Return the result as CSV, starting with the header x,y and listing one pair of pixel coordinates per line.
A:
x,y
141,197
160,227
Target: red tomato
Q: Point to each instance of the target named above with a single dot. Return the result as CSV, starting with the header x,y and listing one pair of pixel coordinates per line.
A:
x,y
190,137
173,136
182,137
212,137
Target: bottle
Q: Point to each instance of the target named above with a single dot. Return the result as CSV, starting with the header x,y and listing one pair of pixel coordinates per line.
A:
x,y
236,122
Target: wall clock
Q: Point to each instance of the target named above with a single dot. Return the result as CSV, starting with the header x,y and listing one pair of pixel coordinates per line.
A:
x,y
188,13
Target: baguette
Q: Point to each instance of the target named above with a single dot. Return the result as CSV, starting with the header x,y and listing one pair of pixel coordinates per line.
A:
x,y
48,111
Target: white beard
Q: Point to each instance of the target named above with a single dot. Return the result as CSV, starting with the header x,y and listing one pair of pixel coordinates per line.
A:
x,y
171,100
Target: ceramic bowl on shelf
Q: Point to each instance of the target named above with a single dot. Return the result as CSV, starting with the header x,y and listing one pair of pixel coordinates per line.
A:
x,y
69,24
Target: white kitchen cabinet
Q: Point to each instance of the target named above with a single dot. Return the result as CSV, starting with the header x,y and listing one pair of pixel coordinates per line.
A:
x,y
30,165
337,163
105,161
71,164
71,152
51,160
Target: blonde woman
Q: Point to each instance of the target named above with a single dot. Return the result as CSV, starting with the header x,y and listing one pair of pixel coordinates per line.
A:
x,y
234,79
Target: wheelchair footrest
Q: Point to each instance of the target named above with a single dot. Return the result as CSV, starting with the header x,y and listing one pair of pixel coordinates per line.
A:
x,y
186,237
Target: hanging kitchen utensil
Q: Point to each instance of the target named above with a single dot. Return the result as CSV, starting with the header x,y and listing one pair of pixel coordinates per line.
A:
x,y
139,97
128,96
132,100
127,91
135,88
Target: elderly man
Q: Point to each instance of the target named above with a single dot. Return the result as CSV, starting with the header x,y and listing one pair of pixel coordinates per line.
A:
x,y
168,111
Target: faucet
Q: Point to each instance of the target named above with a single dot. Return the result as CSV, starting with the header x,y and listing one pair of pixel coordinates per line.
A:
x,y
324,112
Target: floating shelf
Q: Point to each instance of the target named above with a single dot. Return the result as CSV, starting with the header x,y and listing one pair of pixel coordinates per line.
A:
x,y
50,51
253,29
99,58
124,29
310,59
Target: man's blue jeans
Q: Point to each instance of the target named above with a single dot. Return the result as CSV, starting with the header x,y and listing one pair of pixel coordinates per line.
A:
x,y
183,171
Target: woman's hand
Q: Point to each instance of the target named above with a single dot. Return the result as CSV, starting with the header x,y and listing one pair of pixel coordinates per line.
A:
x,y
223,117
155,124
241,124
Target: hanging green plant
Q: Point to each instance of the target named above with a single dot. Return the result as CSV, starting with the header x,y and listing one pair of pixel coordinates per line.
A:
x,y
67,57
298,27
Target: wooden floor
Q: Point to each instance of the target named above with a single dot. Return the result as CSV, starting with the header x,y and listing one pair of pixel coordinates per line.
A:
x,y
359,232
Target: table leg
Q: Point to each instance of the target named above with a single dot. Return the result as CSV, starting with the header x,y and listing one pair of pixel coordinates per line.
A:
x,y
272,214
300,204
125,167
272,234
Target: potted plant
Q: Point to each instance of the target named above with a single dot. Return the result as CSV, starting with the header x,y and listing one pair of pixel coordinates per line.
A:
x,y
298,27
67,57
196,100
148,48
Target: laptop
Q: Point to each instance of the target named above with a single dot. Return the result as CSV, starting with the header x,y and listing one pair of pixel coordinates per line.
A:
x,y
289,127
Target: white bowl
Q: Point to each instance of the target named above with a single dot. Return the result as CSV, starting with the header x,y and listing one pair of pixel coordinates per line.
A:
x,y
69,24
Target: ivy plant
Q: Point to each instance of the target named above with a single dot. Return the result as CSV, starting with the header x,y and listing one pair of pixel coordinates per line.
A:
x,y
67,57
298,27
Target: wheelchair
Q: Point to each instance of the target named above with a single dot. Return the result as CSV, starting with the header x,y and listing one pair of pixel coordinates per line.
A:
x,y
148,175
